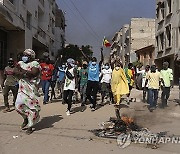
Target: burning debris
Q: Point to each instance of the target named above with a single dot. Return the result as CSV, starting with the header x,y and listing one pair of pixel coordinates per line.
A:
x,y
126,131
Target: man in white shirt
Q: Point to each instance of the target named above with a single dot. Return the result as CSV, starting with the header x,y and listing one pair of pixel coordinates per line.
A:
x,y
106,75
143,74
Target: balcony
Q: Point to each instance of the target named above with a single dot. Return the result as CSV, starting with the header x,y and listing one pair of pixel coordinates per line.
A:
x,y
41,33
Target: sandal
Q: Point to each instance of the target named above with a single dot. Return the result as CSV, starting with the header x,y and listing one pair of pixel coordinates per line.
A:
x,y
24,124
29,131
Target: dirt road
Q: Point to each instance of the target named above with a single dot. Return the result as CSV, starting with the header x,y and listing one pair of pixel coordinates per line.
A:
x,y
57,133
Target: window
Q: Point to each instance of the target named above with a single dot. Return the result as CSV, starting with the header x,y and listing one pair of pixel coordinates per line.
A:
x,y
168,36
24,2
161,47
162,11
28,24
12,1
36,14
169,6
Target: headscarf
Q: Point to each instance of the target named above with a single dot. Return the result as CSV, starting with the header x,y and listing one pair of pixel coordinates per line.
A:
x,y
30,52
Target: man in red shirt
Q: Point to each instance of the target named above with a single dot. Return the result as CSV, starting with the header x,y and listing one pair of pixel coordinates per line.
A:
x,y
46,75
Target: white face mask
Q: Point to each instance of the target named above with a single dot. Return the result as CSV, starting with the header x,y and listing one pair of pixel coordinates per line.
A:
x,y
63,66
93,63
117,68
106,67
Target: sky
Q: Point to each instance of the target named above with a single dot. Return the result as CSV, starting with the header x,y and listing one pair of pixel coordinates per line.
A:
x,y
88,21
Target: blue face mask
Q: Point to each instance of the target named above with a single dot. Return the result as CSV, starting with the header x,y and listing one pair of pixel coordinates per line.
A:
x,y
25,59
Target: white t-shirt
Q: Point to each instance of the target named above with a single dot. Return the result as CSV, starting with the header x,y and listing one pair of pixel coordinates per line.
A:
x,y
106,75
70,84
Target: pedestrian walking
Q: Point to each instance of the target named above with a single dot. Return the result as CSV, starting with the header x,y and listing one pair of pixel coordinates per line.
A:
x,y
61,75
153,79
130,78
70,84
167,83
27,103
106,75
143,74
93,82
83,78
119,86
46,76
9,83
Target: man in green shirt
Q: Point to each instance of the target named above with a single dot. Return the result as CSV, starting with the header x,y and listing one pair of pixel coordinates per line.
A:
x,y
83,77
166,79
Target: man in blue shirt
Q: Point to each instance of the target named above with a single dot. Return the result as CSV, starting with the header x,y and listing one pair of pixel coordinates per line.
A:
x,y
61,75
93,82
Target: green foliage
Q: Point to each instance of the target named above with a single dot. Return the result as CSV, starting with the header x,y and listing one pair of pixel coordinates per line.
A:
x,y
74,51
137,64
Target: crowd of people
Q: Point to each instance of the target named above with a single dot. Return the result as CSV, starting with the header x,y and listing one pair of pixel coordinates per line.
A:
x,y
85,79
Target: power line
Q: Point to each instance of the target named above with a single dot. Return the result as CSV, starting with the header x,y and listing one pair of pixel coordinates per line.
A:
x,y
87,28
97,36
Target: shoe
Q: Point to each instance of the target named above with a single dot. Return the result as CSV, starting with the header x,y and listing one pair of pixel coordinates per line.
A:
x,y
7,109
68,113
93,109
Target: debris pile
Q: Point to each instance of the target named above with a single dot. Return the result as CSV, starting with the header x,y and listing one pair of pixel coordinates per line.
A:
x,y
126,131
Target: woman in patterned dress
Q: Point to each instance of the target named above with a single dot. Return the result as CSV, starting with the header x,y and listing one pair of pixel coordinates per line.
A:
x,y
27,104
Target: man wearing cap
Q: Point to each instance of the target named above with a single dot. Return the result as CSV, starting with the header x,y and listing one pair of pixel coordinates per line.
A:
x,y
10,82
70,84
166,79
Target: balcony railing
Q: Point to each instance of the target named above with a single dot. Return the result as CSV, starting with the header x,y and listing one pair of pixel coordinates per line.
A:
x,y
41,33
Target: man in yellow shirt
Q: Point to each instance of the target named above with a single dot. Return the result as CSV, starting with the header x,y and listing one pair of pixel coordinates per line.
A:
x,y
153,79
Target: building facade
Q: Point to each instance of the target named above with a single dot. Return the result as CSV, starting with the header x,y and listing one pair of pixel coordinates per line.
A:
x,y
140,33
28,24
168,33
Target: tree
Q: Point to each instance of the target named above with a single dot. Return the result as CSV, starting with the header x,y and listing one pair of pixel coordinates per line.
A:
x,y
75,52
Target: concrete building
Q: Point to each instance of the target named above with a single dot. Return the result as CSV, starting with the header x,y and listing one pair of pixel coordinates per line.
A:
x,y
29,24
140,33
168,33
146,55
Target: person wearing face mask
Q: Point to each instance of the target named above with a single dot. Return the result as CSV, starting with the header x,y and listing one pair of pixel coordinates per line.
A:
x,y
106,75
10,83
61,75
93,82
119,86
27,102
70,84
83,77
46,76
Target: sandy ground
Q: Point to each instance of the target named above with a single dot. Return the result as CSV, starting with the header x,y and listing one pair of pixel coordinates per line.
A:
x,y
57,133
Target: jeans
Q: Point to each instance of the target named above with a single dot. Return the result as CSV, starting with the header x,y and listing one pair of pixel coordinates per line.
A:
x,y
91,92
6,90
165,95
83,92
152,97
45,88
68,94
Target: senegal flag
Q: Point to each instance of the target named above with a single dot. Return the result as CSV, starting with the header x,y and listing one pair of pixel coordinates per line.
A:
x,y
106,43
